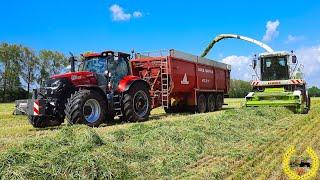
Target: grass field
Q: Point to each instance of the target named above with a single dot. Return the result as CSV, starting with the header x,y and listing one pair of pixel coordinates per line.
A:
x,y
235,143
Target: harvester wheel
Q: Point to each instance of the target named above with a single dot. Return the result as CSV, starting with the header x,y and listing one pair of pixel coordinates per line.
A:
x,y
211,104
201,104
86,107
136,104
219,102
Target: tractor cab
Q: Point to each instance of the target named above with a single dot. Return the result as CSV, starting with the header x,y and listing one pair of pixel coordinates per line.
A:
x,y
109,66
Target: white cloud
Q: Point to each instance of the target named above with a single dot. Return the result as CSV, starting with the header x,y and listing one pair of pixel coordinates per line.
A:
x,y
271,31
292,38
309,57
118,13
240,67
137,14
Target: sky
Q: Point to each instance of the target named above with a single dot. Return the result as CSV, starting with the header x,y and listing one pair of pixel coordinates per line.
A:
x,y
122,25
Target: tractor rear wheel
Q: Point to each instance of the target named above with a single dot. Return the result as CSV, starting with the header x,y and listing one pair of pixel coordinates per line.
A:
x,y
201,104
136,104
86,107
211,103
219,102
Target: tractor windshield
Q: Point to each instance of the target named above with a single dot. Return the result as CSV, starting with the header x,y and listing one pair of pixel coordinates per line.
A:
x,y
97,65
274,68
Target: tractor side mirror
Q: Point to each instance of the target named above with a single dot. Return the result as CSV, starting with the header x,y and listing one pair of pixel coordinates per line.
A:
x,y
254,63
294,59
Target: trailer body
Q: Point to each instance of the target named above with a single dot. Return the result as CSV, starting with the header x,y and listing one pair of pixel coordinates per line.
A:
x,y
178,79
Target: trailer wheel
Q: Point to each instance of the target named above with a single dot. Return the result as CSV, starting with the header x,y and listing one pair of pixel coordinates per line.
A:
x,y
86,107
219,102
211,104
201,104
136,104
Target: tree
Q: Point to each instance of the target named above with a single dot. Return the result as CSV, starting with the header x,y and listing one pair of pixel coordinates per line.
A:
x,y
239,88
50,63
10,57
314,91
29,66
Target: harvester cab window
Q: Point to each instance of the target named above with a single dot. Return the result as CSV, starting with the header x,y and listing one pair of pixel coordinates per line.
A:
x,y
274,68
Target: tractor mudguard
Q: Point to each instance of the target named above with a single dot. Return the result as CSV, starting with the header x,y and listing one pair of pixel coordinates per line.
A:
x,y
126,82
94,87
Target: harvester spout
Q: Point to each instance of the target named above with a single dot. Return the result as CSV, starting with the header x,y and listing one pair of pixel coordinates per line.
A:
x,y
235,36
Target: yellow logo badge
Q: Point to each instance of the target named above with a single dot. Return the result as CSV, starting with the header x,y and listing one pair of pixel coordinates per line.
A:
x,y
310,174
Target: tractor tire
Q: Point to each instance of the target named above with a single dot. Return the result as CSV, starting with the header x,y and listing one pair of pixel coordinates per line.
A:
x,y
86,107
211,103
136,104
219,102
43,122
201,104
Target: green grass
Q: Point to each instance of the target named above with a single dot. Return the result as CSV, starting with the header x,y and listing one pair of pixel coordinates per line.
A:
x,y
235,143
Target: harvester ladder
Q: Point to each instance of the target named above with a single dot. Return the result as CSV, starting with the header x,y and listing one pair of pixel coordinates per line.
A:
x,y
164,82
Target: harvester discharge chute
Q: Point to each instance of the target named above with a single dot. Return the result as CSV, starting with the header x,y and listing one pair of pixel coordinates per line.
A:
x,y
279,81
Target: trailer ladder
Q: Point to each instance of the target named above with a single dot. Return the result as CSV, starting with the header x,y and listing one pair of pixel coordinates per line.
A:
x,y
164,82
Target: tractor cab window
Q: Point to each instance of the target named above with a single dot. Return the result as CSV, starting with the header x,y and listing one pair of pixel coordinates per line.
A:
x,y
119,68
97,65
274,68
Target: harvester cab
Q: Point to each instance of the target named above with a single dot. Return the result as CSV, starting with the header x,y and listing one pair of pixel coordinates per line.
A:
x,y
278,82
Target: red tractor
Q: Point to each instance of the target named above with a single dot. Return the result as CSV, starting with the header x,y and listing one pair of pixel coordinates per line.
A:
x,y
102,89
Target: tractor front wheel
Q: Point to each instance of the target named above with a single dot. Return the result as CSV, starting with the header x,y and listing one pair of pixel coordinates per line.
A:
x,y
42,121
86,107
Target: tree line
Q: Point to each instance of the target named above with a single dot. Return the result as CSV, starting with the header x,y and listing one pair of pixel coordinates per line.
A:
x,y
22,68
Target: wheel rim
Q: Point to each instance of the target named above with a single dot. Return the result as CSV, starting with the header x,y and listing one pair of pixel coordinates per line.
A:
x,y
219,103
202,104
91,110
140,103
211,103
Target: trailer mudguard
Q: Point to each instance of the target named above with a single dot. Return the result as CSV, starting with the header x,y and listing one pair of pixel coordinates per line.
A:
x,y
126,82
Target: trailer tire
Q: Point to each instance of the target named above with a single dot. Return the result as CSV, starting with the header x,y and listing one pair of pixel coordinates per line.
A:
x,y
211,103
201,103
136,103
86,107
219,102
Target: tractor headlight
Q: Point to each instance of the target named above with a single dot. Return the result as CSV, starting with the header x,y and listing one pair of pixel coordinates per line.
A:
x,y
56,83
297,93
250,95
